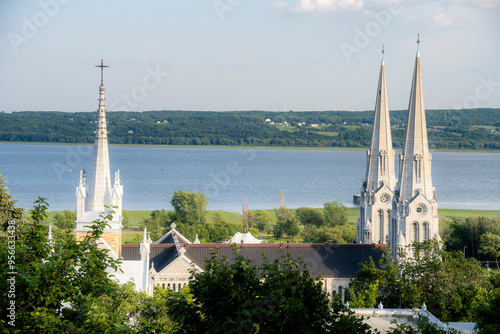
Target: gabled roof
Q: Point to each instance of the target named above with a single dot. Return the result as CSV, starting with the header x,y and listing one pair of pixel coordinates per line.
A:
x,y
327,260
168,238
337,260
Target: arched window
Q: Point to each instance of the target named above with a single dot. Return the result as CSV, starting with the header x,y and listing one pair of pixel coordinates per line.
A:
x,y
415,231
381,223
168,285
386,225
425,232
179,287
163,285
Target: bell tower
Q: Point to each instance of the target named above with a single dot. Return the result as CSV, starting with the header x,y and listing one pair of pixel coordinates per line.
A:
x,y
378,185
96,196
414,215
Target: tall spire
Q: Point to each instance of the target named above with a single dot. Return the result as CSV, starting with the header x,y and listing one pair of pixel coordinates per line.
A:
x,y
380,167
414,216
100,182
415,165
380,180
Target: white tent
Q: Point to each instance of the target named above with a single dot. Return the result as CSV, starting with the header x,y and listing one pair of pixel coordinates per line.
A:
x,y
247,238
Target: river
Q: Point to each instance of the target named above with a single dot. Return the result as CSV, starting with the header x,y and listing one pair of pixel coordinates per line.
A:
x,y
150,175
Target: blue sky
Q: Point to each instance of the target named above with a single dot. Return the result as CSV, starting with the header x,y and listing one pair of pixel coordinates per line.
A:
x,y
246,54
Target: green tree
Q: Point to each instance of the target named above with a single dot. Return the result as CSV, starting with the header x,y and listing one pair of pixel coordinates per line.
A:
x,y
65,219
126,219
261,220
283,213
156,223
58,285
468,234
490,244
279,297
309,216
189,208
8,209
291,228
335,214
486,313
322,234
446,281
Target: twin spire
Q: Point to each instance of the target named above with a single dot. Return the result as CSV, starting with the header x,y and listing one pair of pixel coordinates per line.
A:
x,y
398,212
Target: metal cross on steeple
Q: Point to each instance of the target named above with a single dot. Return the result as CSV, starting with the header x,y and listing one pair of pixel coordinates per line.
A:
x,y
102,66
418,42
383,51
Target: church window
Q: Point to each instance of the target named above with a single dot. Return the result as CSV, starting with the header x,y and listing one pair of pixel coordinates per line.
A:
x,y
179,287
383,162
163,285
418,167
425,232
415,231
380,236
386,225
168,285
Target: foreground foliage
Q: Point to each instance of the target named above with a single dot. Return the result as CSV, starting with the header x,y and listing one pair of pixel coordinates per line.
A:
x,y
446,281
57,286
239,297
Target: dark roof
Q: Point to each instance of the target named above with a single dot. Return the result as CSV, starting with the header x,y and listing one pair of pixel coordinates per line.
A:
x,y
327,260
337,260
167,240
131,252
162,255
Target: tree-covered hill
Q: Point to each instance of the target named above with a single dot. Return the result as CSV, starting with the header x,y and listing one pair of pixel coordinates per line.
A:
x,y
448,129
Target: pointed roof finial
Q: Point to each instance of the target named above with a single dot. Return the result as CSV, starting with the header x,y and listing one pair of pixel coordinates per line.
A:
x,y
102,66
383,52
418,45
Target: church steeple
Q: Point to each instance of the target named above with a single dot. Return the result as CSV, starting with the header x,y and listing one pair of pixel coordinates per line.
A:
x,y
100,181
415,161
380,166
414,215
97,196
378,185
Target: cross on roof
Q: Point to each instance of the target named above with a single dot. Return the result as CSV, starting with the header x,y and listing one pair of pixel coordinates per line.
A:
x,y
418,42
102,66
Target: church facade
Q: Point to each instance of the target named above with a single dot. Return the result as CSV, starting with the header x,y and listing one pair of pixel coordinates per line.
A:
x,y
399,212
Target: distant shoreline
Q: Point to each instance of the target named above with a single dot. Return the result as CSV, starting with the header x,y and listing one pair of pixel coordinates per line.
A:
x,y
247,147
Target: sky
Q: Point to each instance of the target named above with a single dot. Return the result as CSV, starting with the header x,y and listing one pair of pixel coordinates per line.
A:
x,y
222,55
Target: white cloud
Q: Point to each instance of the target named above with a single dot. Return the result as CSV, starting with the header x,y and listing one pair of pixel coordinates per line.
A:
x,y
481,3
319,6
440,20
279,4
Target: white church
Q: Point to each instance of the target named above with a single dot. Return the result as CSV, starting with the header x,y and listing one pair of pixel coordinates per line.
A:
x,y
398,212
392,213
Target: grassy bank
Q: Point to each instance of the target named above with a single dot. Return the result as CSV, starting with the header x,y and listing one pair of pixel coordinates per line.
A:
x,y
352,214
251,147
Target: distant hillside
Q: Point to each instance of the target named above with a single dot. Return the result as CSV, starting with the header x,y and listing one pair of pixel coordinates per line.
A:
x,y
448,129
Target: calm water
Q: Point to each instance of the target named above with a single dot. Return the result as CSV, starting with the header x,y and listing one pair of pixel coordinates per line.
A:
x,y
150,175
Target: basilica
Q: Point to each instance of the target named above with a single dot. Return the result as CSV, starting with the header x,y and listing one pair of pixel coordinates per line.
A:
x,y
398,212
393,212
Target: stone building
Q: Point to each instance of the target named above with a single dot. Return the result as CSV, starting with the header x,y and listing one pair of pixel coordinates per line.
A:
x,y
400,212
171,258
414,216
378,186
97,197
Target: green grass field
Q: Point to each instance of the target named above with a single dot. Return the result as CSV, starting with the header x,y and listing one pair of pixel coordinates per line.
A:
x,y
352,214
